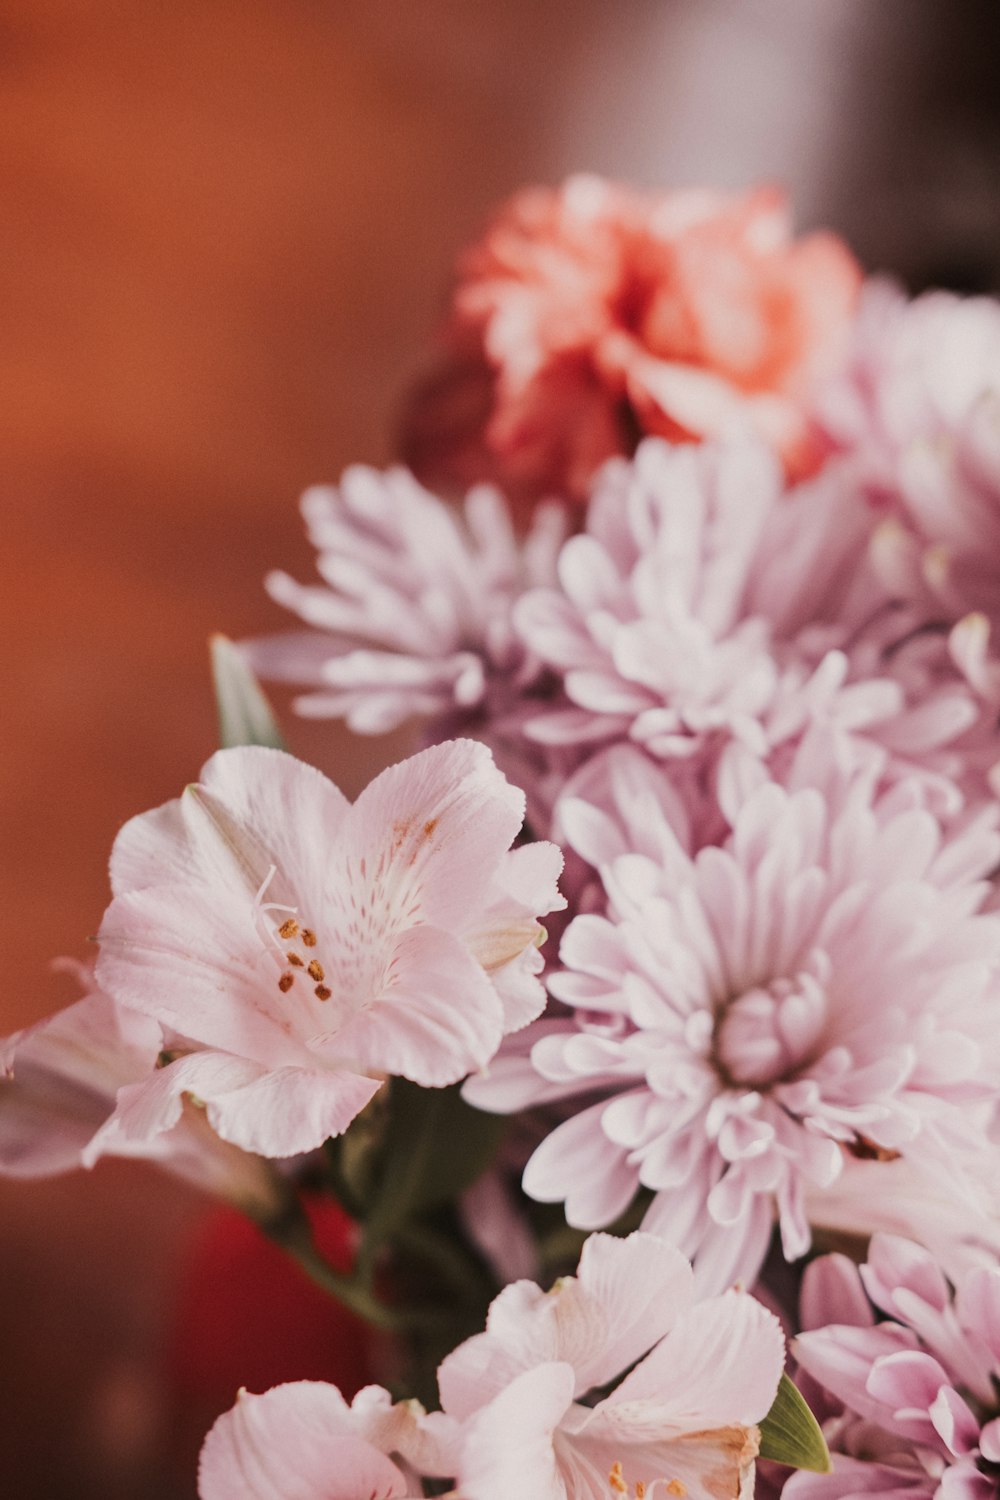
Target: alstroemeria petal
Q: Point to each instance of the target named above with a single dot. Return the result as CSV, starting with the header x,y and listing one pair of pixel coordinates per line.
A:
x,y
192,957
508,1448
437,1016
294,1442
272,1111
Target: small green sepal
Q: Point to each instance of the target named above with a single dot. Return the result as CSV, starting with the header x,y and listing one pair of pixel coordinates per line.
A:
x,y
245,716
791,1435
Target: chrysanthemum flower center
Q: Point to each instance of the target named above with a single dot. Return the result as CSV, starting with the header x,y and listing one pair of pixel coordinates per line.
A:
x,y
768,1032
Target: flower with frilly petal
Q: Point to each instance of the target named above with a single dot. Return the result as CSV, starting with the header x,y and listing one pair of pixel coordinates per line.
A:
x,y
706,613
691,1381
916,413
744,1015
915,1407
303,948
592,314
412,617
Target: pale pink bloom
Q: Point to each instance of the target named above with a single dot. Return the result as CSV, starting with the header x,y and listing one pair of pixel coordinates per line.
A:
x,y
916,412
412,617
591,314
59,1082
916,1410
903,1197
302,1441
706,613
698,1377
747,1015
306,948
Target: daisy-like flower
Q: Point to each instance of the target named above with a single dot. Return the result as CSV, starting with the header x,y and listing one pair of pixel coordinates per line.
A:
x,y
590,315
412,618
59,1082
705,613
744,1016
303,1441
302,948
914,1398
916,413
691,1381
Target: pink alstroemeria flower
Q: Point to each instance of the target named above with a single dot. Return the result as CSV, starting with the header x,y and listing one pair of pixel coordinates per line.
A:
x,y
701,1375
305,948
302,1441
59,1082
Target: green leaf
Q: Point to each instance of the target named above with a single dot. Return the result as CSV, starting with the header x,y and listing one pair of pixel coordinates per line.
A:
x,y
790,1434
245,716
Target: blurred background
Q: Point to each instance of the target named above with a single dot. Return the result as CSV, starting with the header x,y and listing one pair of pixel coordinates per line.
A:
x,y
226,238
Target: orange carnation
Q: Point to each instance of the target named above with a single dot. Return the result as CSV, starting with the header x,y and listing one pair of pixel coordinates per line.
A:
x,y
591,315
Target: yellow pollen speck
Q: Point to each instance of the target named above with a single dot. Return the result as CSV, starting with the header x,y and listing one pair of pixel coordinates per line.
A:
x,y
322,993
288,929
285,982
676,1487
296,960
640,1490
316,970
616,1480
308,937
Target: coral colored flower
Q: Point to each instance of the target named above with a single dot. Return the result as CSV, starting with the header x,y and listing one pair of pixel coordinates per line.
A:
x,y
303,1441
61,1082
590,315
744,1015
916,413
915,1408
691,1381
412,617
303,948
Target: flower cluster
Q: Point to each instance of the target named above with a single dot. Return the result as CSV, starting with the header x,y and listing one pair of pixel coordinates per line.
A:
x,y
733,684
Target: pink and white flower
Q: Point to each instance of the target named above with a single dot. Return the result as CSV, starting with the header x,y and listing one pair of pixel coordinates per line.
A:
x,y
590,315
700,1376
59,1083
303,1441
303,948
412,618
914,1397
692,1381
916,413
706,613
746,1014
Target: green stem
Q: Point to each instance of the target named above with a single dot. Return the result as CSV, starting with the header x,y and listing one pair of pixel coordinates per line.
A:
x,y
291,1231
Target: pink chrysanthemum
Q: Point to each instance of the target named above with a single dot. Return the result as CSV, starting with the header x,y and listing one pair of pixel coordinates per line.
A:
x,y
706,613
822,983
915,1409
412,618
916,412
591,314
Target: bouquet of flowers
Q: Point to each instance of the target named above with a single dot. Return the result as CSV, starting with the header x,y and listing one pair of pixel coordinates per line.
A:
x,y
645,1021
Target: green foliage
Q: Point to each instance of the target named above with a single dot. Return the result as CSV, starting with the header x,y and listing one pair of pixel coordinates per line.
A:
x,y
245,716
790,1434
